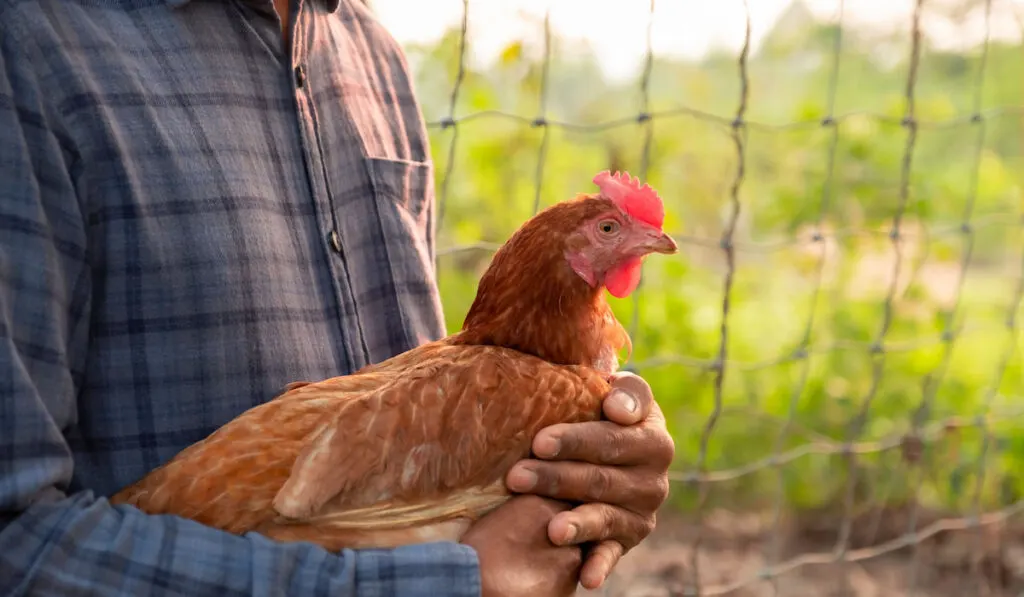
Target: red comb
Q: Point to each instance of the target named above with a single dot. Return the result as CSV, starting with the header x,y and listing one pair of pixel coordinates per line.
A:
x,y
640,202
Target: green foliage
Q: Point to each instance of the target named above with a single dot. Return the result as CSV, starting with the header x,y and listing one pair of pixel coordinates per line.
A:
x,y
945,349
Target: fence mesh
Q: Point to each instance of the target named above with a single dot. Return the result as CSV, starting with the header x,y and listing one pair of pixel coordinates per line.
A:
x,y
697,477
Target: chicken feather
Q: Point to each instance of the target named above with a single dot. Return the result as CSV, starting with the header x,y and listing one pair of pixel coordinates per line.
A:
x,y
372,459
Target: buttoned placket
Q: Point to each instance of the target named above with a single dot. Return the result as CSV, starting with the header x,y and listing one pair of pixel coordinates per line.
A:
x,y
356,353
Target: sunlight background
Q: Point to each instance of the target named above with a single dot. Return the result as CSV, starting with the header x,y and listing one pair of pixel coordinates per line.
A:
x,y
616,30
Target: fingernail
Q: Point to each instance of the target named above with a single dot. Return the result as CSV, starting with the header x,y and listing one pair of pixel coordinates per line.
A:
x,y
626,401
522,479
548,446
571,532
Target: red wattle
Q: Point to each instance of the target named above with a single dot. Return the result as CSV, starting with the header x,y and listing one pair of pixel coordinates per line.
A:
x,y
623,279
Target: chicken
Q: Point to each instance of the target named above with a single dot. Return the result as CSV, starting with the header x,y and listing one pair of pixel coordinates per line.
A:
x,y
416,448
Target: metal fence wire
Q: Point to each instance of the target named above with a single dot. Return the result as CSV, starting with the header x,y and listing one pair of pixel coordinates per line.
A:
x,y
921,432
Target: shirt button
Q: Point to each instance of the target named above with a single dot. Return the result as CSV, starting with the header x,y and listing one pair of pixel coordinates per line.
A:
x,y
300,76
335,241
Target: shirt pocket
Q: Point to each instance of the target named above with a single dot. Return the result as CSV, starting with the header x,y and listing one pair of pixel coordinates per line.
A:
x,y
395,262
409,184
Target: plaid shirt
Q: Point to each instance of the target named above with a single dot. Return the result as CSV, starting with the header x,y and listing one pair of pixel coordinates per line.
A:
x,y
193,215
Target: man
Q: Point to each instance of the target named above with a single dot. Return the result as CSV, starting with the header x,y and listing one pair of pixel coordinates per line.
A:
x,y
200,202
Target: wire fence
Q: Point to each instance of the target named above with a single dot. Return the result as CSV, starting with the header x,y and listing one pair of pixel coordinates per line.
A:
x,y
922,432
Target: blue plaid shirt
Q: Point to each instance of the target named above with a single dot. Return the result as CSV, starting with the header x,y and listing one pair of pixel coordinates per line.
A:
x,y
192,215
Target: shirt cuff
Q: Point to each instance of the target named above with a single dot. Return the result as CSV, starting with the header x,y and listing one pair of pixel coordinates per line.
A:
x,y
428,569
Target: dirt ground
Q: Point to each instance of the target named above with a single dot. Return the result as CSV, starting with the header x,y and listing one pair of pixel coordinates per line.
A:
x,y
986,561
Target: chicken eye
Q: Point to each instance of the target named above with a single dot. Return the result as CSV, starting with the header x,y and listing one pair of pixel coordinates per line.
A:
x,y
608,226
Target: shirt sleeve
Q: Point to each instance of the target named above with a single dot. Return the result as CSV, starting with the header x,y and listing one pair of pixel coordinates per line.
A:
x,y
56,543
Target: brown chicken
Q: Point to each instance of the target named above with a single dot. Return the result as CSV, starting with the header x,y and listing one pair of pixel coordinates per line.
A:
x,y
416,448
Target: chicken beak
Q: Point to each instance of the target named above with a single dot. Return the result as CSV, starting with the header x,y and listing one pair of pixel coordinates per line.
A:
x,y
660,242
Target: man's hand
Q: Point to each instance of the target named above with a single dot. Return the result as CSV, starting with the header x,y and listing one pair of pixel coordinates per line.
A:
x,y
516,556
617,468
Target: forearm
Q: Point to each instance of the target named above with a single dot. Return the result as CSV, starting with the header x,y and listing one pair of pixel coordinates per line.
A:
x,y
83,546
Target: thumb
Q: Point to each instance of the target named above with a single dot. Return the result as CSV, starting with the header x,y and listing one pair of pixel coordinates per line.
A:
x,y
630,399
